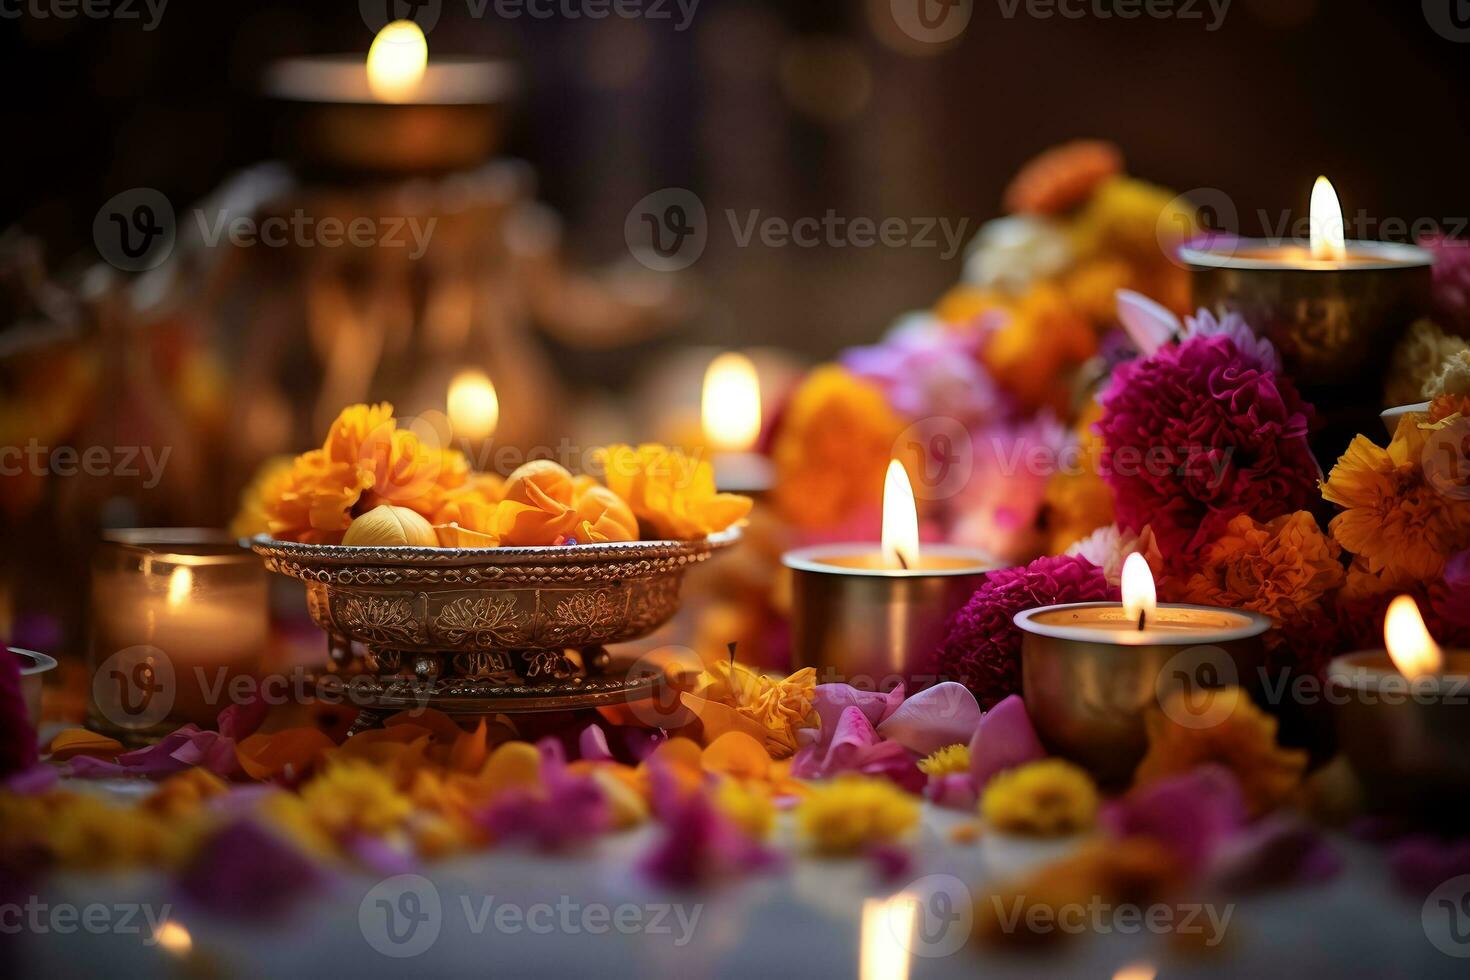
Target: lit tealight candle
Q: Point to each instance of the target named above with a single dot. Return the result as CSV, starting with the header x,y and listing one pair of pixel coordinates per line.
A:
x,y
1333,308
1091,671
393,112
730,415
1403,720
871,614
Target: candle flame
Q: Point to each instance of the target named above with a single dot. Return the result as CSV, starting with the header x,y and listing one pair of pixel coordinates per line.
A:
x,y
175,938
180,584
1329,242
397,61
1413,650
900,519
887,937
731,407
1136,971
1140,599
474,408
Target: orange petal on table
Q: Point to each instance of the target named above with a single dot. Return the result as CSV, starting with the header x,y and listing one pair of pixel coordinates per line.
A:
x,y
441,725
737,754
451,535
678,752
470,750
720,718
365,745
294,749
522,525
78,741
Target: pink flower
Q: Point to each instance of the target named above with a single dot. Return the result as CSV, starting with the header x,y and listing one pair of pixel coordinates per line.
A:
x,y
245,871
1189,814
945,714
927,370
982,649
1010,466
1004,740
572,809
699,845
1199,433
1451,288
852,744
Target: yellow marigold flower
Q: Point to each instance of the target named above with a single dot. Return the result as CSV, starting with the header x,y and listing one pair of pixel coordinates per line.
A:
x,y
1394,517
832,449
84,832
360,432
948,760
672,494
1282,568
185,792
1226,728
406,473
1092,287
850,812
1133,219
354,796
1049,798
314,502
962,304
747,804
1444,407
1043,339
732,697
268,483
1362,584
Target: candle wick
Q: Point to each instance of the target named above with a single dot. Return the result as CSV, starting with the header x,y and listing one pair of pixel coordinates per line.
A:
x,y
901,562
1142,615
731,647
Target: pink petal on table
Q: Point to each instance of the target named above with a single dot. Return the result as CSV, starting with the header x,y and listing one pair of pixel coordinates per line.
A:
x,y
240,721
1278,851
182,749
955,790
1003,740
831,700
592,745
1149,325
1191,814
945,714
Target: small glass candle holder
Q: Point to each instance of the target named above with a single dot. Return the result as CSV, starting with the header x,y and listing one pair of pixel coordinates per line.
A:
x,y
179,617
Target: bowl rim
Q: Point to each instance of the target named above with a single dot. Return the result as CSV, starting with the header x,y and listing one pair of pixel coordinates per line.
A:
x,y
1389,256
412,555
40,662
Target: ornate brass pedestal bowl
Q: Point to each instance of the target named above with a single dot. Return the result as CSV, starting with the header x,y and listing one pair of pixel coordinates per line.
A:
x,y
483,631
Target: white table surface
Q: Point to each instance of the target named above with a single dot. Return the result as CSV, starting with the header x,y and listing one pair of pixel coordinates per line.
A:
x,y
803,921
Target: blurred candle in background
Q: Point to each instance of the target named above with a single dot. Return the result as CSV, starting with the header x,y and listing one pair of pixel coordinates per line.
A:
x,y
730,413
474,411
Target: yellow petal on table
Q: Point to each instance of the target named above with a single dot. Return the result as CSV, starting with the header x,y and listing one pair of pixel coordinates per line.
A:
x,y
470,751
514,765
718,719
736,753
78,741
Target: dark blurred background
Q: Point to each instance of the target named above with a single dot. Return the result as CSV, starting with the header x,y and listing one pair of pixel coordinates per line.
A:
x,y
788,107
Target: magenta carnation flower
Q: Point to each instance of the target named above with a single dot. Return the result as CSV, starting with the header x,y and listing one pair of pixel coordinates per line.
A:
x,y
1451,288
982,649
1199,433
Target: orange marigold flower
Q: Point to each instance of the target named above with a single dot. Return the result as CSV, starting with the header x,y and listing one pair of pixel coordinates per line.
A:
x,y
1282,569
1044,339
1394,517
671,493
1224,727
1445,406
833,448
314,502
1062,177
603,516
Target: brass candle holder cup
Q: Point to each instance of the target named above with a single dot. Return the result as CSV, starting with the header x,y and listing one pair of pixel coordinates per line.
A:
x,y
1407,739
860,623
483,631
1334,322
1090,676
